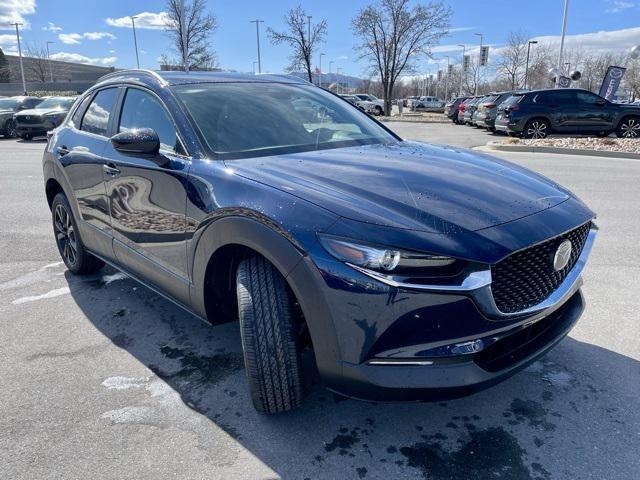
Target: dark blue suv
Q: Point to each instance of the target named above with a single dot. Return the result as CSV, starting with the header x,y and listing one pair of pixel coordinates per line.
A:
x,y
408,271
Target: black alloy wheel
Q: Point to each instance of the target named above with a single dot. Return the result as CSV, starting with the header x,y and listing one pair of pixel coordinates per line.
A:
x,y
536,128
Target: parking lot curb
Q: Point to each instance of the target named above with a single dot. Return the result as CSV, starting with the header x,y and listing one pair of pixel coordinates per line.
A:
x,y
387,119
500,147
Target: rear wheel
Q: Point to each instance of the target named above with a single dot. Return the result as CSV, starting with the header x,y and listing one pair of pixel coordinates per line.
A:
x,y
26,136
73,252
536,128
629,128
272,353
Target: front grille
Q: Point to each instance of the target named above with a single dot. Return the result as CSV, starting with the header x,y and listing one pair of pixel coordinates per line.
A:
x,y
528,277
29,119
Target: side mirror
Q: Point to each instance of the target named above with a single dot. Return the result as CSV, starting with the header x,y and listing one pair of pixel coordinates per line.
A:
x,y
140,141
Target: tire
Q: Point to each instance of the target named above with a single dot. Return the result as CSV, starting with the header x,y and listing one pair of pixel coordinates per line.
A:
x,y
73,252
603,134
629,127
536,128
379,111
272,354
10,128
26,136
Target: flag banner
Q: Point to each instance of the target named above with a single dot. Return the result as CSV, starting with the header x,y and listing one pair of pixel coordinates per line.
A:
x,y
611,81
484,56
465,63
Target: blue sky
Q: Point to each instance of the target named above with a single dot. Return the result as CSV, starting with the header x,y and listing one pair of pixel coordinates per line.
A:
x,y
97,31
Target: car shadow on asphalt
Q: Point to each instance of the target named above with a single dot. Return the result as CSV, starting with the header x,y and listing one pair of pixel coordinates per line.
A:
x,y
566,416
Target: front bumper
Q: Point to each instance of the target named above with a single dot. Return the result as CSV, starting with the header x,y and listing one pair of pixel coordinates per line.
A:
x,y
36,128
384,341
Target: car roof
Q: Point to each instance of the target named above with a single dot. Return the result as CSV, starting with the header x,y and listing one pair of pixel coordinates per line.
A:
x,y
182,78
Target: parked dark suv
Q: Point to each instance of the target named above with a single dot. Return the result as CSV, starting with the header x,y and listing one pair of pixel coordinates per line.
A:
x,y
487,110
46,116
451,109
8,107
409,271
542,112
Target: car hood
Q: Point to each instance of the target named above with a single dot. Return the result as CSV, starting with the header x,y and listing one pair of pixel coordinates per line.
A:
x,y
6,113
42,111
408,185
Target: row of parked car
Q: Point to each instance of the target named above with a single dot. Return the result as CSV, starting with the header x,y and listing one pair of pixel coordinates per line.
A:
x,y
539,113
28,117
366,102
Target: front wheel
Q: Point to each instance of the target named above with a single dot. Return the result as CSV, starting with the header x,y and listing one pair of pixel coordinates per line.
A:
x,y
73,252
629,128
379,111
272,354
10,128
536,128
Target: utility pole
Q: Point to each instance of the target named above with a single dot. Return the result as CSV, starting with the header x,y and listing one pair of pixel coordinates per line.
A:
x,y
49,58
339,83
462,71
309,42
478,66
258,22
526,68
24,83
320,69
564,31
135,40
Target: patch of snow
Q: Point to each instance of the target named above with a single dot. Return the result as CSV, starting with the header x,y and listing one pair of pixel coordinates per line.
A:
x,y
43,274
107,279
128,414
51,294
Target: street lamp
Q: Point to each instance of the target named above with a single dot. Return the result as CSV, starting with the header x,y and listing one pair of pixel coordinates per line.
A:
x,y
135,40
254,67
258,22
24,83
564,31
478,66
526,68
49,58
462,71
446,80
320,69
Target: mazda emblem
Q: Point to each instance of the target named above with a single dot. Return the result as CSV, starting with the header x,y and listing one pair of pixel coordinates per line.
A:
x,y
562,256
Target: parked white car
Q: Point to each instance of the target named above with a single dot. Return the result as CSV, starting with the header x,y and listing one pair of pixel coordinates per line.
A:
x,y
373,103
427,103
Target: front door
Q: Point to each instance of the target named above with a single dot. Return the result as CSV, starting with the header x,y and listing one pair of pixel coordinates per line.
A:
x,y
147,196
596,114
80,150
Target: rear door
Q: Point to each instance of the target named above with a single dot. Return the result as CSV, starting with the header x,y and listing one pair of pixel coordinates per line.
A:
x,y
563,109
147,196
80,149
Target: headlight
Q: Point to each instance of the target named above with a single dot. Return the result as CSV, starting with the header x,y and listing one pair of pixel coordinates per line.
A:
x,y
380,258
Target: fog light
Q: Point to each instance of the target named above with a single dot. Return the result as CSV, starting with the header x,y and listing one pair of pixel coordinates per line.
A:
x,y
467,348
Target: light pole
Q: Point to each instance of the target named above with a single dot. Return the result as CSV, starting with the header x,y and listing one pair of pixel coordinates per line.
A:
x,y
446,80
254,67
564,31
183,37
339,83
526,68
49,58
478,66
320,69
135,40
462,71
568,65
24,83
331,62
258,22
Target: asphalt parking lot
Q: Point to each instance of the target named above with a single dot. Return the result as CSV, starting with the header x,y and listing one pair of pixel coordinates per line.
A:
x,y
101,378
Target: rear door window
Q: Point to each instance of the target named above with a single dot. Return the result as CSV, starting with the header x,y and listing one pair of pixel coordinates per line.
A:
x,y
96,119
589,98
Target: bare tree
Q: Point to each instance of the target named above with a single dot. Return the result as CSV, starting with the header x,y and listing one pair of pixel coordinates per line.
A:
x,y
301,36
512,58
38,65
393,34
189,27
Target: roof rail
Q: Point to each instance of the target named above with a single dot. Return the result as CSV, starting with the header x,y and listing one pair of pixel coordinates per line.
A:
x,y
143,71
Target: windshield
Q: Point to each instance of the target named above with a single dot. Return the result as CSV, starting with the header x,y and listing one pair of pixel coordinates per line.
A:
x,y
64,103
240,120
8,103
513,99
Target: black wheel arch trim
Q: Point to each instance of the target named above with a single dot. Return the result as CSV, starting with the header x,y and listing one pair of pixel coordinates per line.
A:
x,y
298,269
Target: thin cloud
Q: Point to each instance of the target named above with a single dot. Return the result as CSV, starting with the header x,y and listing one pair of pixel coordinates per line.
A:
x,y
70,38
52,27
461,29
77,58
618,6
611,40
145,20
98,35
8,39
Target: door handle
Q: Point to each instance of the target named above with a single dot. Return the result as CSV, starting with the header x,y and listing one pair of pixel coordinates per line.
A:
x,y
111,170
62,151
